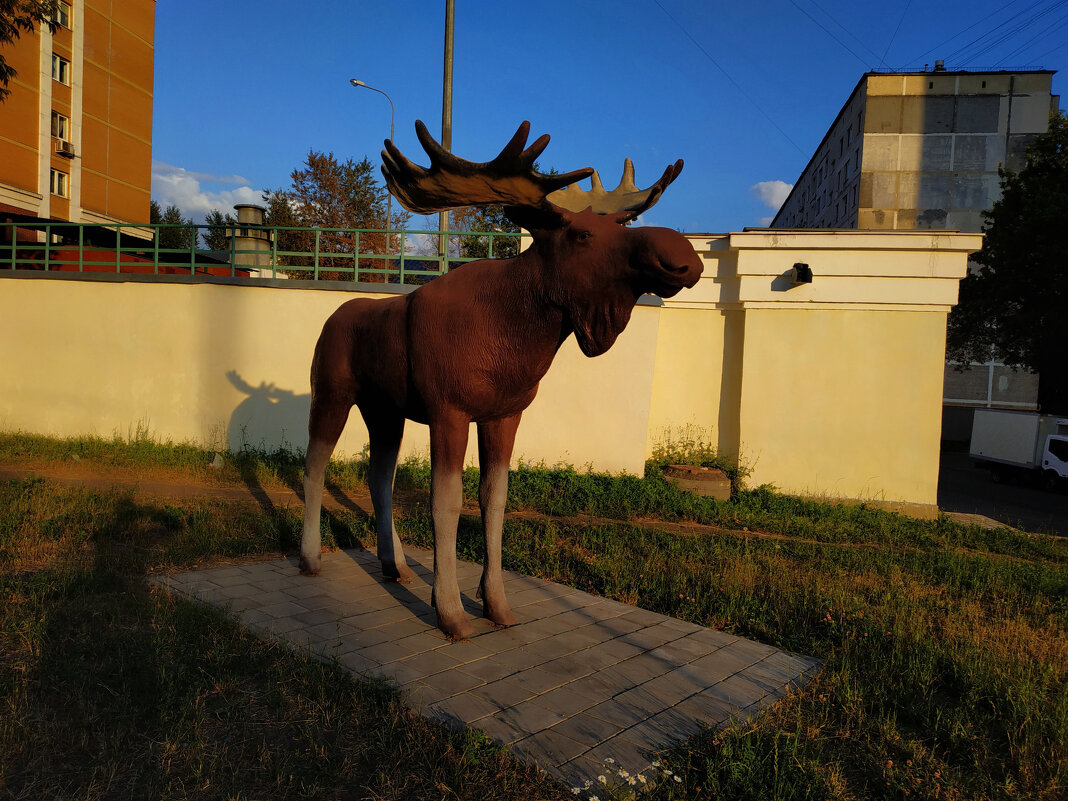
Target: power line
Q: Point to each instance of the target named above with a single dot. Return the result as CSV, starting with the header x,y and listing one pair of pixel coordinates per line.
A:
x,y
961,33
894,36
855,38
1008,34
1001,33
727,75
1047,31
1054,49
820,26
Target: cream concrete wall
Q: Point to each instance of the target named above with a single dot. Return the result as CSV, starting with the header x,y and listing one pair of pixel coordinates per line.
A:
x,y
229,364
831,388
861,420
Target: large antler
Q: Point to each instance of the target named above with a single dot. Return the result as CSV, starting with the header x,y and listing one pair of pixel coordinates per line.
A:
x,y
452,182
624,198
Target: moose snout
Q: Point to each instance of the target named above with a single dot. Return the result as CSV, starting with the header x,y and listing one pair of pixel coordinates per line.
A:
x,y
672,264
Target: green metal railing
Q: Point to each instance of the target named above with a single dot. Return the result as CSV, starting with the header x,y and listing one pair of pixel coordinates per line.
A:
x,y
348,254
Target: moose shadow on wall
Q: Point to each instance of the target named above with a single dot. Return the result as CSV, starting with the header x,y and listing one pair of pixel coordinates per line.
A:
x,y
275,421
268,419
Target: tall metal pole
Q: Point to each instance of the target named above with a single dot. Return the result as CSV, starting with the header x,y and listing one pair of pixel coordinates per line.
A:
x,y
389,195
446,122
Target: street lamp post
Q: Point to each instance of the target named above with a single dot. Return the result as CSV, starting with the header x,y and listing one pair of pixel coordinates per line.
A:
x,y
392,118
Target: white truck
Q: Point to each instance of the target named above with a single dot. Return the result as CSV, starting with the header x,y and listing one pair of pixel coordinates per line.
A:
x,y
1011,443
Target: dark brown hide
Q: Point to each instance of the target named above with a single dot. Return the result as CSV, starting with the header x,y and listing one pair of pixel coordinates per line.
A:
x,y
472,345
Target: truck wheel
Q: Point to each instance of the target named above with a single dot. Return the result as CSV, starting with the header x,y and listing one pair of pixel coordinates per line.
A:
x,y
1051,482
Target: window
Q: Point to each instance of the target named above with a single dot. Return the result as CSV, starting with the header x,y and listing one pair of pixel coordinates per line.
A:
x,y
62,16
60,126
60,69
58,183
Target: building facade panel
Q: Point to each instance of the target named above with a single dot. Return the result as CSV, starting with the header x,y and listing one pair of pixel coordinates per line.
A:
x,y
129,159
18,123
131,58
95,93
98,34
130,110
94,145
930,151
127,202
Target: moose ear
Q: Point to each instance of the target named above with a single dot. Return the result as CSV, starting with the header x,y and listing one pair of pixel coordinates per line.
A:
x,y
545,217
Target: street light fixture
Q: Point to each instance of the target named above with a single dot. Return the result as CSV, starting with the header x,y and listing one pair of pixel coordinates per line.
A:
x,y
392,118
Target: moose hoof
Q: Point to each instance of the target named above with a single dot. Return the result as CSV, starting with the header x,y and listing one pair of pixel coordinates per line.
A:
x,y
456,629
310,565
502,618
400,573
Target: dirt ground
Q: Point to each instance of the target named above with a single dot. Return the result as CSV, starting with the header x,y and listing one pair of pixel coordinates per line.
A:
x,y
161,483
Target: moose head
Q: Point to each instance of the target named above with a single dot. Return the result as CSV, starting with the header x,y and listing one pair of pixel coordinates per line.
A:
x,y
472,345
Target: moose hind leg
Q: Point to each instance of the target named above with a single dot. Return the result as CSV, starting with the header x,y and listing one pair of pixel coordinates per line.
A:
x,y
495,441
385,432
325,423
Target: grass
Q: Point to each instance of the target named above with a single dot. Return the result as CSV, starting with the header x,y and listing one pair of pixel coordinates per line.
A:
x,y
109,688
945,647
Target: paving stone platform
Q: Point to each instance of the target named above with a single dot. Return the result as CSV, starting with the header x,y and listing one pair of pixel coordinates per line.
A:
x,y
581,679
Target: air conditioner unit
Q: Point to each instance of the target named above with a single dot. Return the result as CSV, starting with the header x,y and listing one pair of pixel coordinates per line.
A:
x,y
65,148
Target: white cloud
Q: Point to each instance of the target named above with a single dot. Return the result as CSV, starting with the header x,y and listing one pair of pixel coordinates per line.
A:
x,y
177,186
771,193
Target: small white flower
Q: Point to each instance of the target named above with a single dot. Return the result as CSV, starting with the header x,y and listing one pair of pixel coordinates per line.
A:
x,y
587,785
610,761
656,763
641,778
631,781
602,779
594,798
576,790
623,773
668,772
678,779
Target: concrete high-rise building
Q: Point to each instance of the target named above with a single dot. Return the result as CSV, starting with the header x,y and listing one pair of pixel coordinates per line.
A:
x,y
920,150
76,130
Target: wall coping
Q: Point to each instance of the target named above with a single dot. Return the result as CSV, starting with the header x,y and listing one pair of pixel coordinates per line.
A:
x,y
350,287
840,239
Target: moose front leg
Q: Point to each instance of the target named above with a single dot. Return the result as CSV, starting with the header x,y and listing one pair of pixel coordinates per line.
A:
x,y
495,441
326,422
448,444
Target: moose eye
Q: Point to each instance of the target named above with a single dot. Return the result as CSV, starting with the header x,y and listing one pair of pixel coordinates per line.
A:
x,y
584,236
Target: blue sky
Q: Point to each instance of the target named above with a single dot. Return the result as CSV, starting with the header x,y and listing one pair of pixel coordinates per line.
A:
x,y
743,92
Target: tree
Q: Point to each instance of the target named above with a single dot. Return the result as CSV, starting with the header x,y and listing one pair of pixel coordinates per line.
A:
x,y
17,16
171,237
485,218
1016,304
280,213
218,236
331,194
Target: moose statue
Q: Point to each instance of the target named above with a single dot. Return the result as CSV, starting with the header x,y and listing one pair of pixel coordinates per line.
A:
x,y
472,345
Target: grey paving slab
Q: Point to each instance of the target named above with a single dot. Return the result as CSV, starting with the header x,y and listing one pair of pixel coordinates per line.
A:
x,y
580,681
